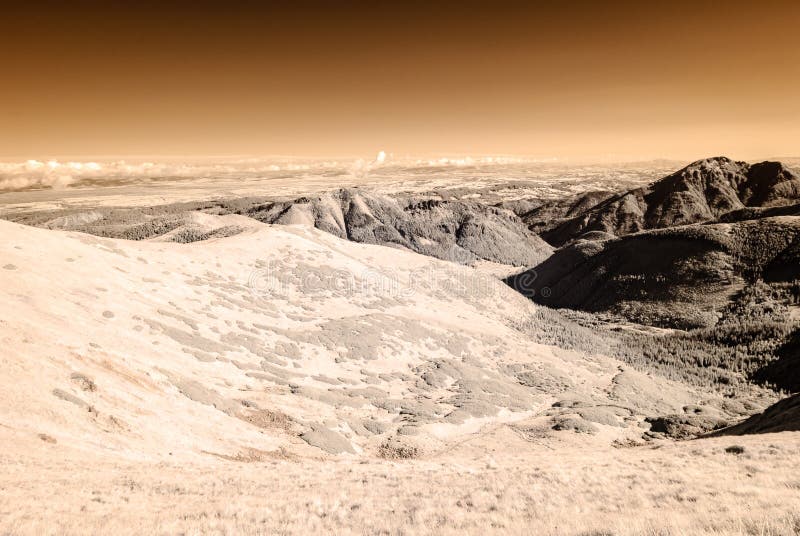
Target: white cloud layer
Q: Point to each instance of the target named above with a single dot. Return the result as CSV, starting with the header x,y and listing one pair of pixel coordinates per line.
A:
x,y
54,174
37,174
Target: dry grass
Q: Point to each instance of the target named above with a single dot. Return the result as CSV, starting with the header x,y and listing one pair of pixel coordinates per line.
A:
x,y
684,488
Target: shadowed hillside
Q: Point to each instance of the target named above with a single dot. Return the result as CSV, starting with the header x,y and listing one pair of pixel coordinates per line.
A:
x,y
783,416
677,277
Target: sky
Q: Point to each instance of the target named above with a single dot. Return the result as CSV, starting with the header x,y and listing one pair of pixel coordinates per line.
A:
x,y
633,80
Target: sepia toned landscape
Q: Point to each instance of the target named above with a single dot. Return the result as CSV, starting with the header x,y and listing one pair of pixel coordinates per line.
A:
x,y
514,292
357,359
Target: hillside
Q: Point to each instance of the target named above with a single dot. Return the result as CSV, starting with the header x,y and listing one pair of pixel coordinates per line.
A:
x,y
171,387
783,416
284,339
544,216
234,377
459,231
446,229
676,277
701,192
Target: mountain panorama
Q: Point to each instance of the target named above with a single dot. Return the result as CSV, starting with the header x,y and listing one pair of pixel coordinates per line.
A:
x,y
433,354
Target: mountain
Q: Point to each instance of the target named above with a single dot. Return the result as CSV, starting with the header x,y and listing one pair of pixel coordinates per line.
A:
x,y
283,341
543,216
451,230
701,192
224,375
459,231
676,277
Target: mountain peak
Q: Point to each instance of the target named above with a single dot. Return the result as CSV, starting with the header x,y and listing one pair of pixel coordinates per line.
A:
x,y
701,192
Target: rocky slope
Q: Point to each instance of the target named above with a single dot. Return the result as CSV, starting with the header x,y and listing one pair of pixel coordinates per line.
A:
x,y
701,192
458,231
451,230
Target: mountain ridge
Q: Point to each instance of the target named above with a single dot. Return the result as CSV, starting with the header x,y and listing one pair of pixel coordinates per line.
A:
x,y
701,192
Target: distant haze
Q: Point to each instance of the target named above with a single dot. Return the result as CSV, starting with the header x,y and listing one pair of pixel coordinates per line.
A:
x,y
621,80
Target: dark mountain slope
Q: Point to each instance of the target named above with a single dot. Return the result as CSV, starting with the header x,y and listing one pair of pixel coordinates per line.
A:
x,y
783,416
542,216
784,371
677,277
701,192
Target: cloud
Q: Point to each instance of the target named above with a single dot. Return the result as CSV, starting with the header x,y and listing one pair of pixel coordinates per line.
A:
x,y
36,174
39,174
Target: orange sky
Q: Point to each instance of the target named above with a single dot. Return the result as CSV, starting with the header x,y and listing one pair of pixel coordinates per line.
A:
x,y
577,79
